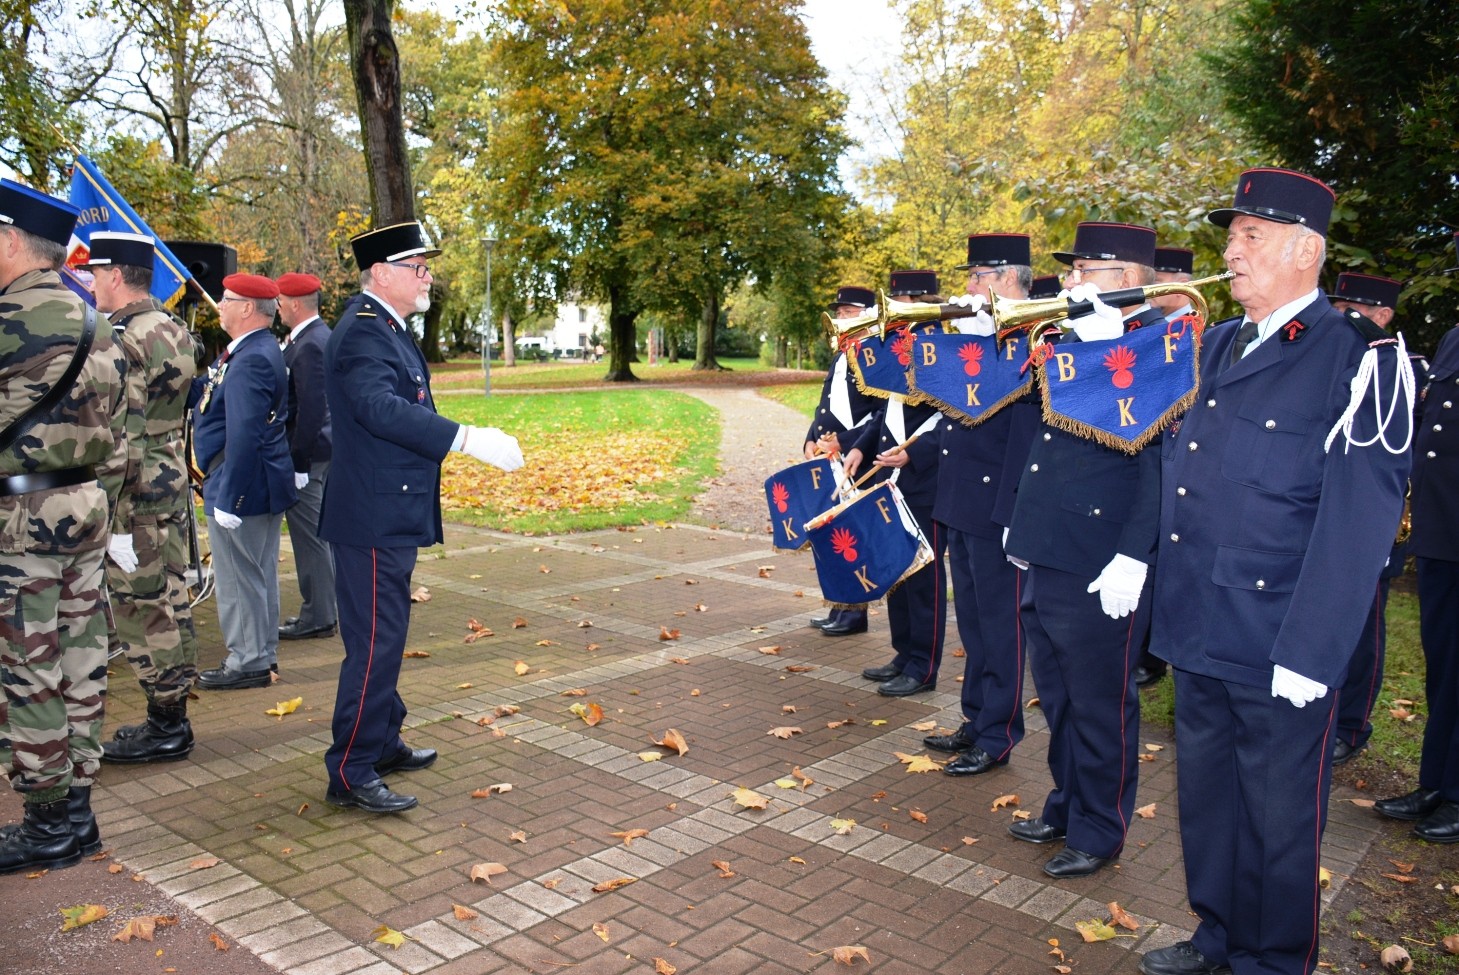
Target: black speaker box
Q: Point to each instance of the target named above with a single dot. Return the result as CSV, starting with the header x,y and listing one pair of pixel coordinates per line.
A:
x,y
209,263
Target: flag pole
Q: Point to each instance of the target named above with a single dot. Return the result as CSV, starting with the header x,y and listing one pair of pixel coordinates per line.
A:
x,y
826,516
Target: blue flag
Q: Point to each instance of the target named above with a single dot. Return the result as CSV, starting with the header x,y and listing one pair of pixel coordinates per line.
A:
x,y
880,363
796,495
968,377
102,208
1122,392
866,547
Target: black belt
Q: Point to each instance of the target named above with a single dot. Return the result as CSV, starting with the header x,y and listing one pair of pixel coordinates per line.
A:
x,y
45,481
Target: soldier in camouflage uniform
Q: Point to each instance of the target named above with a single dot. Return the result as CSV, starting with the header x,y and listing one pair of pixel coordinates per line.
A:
x,y
59,481
150,609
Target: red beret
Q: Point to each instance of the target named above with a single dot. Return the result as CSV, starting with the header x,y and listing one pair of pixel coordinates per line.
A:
x,y
297,285
251,286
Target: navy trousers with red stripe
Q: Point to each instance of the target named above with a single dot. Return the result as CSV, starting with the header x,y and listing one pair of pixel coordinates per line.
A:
x,y
917,609
1365,673
985,590
1438,605
372,590
1083,665
1253,780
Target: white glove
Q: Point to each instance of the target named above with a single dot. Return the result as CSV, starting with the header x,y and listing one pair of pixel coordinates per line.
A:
x,y
1103,323
301,481
123,552
226,519
1119,586
491,446
1017,562
979,322
1294,687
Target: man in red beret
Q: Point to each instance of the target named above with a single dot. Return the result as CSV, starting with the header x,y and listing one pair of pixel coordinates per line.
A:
x,y
309,446
238,438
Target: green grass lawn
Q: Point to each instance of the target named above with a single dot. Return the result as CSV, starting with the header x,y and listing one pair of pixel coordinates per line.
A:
x,y
801,397
465,373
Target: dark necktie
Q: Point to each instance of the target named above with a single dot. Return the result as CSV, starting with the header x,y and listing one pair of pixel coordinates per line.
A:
x,y
1244,335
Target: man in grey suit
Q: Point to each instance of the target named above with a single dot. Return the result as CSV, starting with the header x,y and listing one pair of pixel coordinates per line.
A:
x,y
309,446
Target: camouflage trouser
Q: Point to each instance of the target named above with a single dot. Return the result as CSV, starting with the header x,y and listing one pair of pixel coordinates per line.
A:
x,y
153,622
54,670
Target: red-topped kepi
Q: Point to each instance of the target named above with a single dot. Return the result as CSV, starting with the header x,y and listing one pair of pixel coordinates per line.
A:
x,y
297,285
251,286
905,283
1096,241
1174,260
1045,286
856,297
997,250
1279,195
1367,289
393,243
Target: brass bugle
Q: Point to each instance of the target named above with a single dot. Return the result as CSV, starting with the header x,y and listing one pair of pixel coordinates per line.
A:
x,y
873,323
1011,314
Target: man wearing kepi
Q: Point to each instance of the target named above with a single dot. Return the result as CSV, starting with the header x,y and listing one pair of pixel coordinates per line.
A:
x,y
151,613
382,503
310,441
62,457
1280,495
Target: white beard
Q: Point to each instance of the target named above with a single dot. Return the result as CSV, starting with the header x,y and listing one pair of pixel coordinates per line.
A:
x,y
423,303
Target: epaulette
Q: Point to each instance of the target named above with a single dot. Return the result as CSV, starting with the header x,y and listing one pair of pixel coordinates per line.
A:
x,y
366,314
1372,332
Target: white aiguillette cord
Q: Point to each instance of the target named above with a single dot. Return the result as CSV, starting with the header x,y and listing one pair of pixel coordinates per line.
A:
x,y
1368,376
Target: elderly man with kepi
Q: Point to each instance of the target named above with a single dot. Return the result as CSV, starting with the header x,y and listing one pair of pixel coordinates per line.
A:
x,y
151,608
62,458
248,480
382,504
1281,491
310,441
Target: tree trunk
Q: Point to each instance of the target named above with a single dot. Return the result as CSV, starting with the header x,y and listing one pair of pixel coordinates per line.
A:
x,y
622,336
430,342
782,351
509,340
704,340
375,64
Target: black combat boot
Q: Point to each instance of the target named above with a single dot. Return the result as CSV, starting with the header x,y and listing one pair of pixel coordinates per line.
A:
x,y
83,823
167,736
42,841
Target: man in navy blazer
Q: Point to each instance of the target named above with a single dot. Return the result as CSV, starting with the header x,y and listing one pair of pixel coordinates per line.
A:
x,y
238,438
382,503
310,443
1278,506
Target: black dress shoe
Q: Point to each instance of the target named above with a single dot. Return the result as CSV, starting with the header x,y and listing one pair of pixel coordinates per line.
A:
x,y
293,631
1342,751
904,685
290,620
1181,958
223,679
958,741
821,621
844,627
1070,862
974,761
1035,831
373,797
1145,676
1418,804
1441,825
410,760
883,673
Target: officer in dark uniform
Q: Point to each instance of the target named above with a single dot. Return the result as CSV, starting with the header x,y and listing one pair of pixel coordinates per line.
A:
x,y
843,408
382,502
1278,506
1376,299
917,609
1085,522
976,478
1434,506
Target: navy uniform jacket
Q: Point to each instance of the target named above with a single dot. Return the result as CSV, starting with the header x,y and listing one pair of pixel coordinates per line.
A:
x,y
308,428
1080,503
384,485
1271,546
977,476
238,434
861,404
1434,501
918,480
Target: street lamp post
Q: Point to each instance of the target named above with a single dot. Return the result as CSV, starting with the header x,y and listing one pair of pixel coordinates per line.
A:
x,y
490,244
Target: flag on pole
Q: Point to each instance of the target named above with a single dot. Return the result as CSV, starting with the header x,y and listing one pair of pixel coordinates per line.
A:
x,y
102,208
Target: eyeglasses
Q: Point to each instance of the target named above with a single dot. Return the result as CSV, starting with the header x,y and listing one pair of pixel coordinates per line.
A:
x,y
975,275
231,298
1085,271
421,270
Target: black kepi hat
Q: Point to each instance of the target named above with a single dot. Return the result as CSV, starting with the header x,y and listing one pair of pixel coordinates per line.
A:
x,y
109,248
1174,260
905,283
858,297
1367,289
1279,195
1045,286
996,250
1111,242
36,213
393,243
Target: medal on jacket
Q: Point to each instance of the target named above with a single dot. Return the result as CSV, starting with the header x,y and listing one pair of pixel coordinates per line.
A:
x,y
214,380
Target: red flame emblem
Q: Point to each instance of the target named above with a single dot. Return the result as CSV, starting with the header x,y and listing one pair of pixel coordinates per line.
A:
x,y
971,354
780,495
902,346
843,543
1247,187
1120,360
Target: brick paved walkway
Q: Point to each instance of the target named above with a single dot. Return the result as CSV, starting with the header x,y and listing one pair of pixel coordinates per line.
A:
x,y
303,884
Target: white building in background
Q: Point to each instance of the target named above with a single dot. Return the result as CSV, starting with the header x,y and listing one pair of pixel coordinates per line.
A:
x,y
572,331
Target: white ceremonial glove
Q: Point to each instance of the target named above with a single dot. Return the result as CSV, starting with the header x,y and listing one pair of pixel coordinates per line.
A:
x,y
1017,562
491,446
123,552
301,481
1119,586
226,520
1103,323
1294,687
979,322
